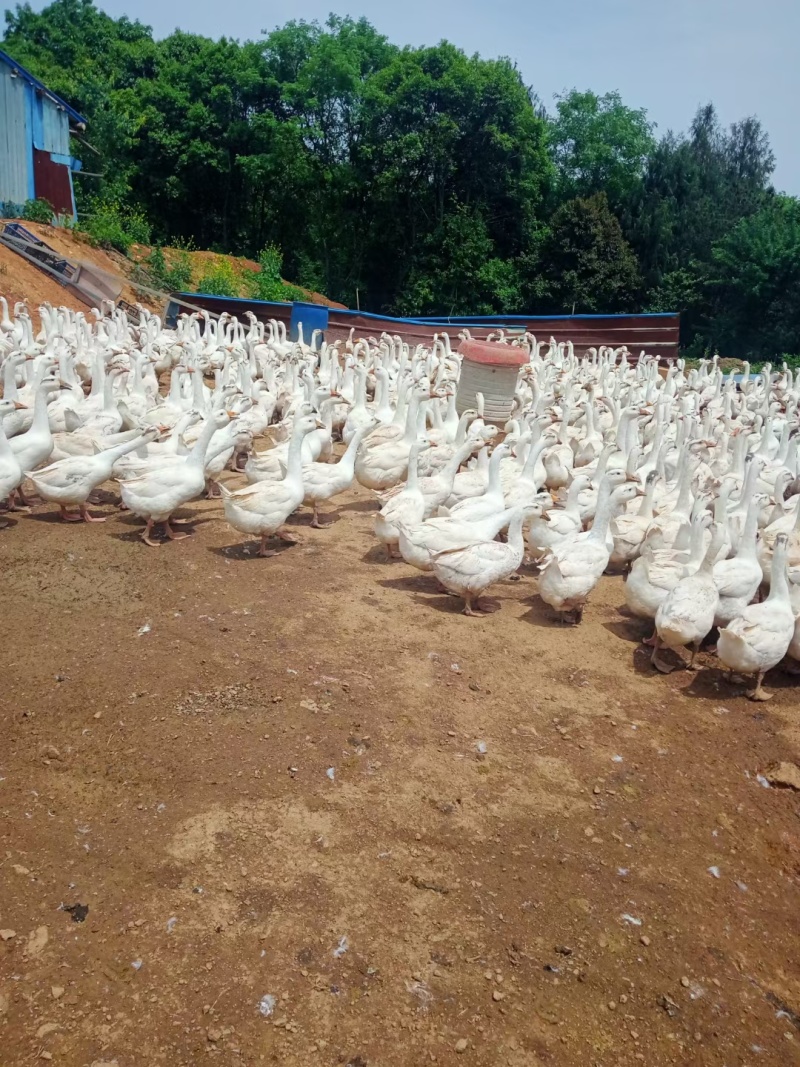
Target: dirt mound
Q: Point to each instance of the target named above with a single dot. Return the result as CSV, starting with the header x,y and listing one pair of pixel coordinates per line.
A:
x,y
20,280
241,269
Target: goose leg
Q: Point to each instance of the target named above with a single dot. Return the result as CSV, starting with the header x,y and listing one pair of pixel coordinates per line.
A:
x,y
12,504
263,551
759,693
470,608
658,663
692,665
69,516
316,524
651,641
89,518
289,538
171,534
145,535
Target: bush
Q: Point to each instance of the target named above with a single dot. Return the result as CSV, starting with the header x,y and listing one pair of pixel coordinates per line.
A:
x,y
219,279
108,225
39,210
267,284
173,274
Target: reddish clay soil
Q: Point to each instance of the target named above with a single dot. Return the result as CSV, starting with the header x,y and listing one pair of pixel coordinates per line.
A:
x,y
607,884
21,280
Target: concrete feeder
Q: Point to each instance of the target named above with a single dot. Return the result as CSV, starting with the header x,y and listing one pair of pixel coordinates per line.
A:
x,y
491,369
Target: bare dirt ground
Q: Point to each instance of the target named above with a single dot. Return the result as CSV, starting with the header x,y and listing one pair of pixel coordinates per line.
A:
x,y
279,791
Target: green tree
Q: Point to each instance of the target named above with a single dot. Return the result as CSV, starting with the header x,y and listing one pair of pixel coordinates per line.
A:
x,y
445,132
754,284
589,265
696,189
599,144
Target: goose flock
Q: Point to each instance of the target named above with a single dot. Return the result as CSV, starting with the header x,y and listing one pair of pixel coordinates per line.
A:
x,y
685,480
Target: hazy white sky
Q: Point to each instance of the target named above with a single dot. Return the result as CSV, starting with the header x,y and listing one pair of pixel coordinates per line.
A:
x,y
667,56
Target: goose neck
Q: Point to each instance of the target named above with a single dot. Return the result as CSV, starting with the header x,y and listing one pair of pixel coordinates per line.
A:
x,y
779,583
603,512
198,454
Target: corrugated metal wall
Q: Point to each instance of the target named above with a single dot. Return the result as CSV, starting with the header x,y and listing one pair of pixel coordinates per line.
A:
x,y
16,176
50,126
52,182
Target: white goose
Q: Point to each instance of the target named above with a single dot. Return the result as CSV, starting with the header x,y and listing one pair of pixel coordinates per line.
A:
x,y
384,465
490,502
322,481
470,570
760,637
69,482
263,508
573,567
629,530
156,494
418,544
656,571
548,530
685,616
406,507
11,473
737,579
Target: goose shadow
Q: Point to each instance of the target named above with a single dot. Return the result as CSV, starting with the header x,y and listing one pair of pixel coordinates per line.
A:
x,y
248,550
137,526
364,506
101,497
711,683
539,614
629,628
305,517
54,517
182,518
376,556
412,583
454,605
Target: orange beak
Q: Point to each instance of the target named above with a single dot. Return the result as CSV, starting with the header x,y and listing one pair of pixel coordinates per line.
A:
x,y
20,407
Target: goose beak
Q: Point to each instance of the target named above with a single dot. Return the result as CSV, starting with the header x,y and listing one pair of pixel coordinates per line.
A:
x,y
231,414
20,407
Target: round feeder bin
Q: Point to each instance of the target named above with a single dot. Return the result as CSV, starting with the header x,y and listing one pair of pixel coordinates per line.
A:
x,y
491,369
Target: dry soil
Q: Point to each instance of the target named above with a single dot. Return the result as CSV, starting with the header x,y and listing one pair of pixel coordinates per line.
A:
x,y
311,815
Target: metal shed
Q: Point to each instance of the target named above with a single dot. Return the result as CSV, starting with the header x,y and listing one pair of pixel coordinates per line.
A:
x,y
35,158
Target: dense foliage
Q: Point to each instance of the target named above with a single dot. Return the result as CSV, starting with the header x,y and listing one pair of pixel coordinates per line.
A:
x,y
419,180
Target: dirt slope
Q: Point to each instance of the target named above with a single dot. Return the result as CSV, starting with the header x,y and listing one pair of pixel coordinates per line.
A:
x,y
20,280
267,779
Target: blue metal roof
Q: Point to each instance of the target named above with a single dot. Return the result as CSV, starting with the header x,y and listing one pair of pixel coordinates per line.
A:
x,y
31,80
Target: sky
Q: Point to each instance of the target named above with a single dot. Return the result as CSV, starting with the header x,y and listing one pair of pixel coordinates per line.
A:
x,y
667,56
